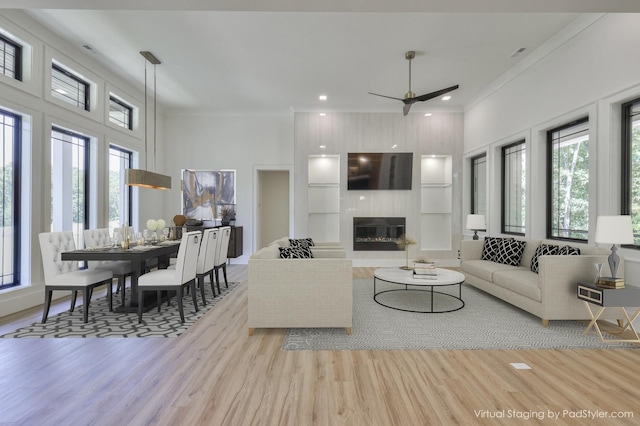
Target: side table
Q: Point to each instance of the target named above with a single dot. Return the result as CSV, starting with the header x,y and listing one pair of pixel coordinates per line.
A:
x,y
622,298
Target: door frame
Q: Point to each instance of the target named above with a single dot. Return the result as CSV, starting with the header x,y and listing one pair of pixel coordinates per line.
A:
x,y
256,173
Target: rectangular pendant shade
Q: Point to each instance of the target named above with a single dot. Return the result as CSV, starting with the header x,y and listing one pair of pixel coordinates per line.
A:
x,y
147,179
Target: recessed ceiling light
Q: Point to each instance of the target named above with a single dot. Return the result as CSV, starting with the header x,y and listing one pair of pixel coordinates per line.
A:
x,y
323,146
323,114
395,145
62,92
428,114
322,97
446,98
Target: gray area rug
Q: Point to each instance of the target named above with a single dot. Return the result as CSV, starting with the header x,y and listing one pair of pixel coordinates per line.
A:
x,y
103,323
484,323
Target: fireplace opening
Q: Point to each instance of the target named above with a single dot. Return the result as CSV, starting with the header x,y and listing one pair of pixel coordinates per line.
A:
x,y
377,233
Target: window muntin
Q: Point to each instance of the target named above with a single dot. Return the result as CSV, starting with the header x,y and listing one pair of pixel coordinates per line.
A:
x,y
10,125
10,58
120,113
514,197
631,165
69,87
120,195
479,184
568,181
69,183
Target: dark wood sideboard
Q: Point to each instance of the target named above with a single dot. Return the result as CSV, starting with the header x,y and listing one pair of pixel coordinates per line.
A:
x,y
235,239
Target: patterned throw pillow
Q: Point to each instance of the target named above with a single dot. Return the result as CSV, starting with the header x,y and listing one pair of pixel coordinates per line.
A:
x,y
490,248
569,251
542,250
510,252
300,242
295,253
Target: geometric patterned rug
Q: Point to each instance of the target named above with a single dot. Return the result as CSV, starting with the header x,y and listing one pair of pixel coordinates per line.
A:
x,y
103,323
485,322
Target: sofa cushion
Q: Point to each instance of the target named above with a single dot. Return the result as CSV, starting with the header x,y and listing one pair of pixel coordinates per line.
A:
x,y
542,250
490,248
484,269
510,251
520,280
300,242
569,251
270,252
295,253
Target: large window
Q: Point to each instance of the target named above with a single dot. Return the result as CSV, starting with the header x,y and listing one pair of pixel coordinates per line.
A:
x,y
631,164
479,184
10,58
10,202
514,197
120,211
568,181
120,113
69,183
69,87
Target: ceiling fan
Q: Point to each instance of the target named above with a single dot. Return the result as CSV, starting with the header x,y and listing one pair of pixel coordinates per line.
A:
x,y
410,98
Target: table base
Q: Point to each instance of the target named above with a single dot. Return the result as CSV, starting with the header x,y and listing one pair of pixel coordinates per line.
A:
x,y
429,290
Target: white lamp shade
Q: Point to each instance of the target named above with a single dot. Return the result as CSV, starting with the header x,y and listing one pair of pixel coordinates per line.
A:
x,y
614,230
476,222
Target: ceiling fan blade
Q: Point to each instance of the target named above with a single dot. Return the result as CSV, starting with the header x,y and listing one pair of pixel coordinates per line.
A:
x,y
384,96
406,108
432,95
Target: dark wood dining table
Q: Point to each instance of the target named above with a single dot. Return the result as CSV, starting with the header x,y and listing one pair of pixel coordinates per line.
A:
x,y
138,257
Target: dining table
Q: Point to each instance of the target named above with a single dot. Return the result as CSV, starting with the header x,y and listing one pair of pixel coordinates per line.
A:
x,y
137,255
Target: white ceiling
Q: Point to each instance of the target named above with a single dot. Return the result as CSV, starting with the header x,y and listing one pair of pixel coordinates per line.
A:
x,y
281,60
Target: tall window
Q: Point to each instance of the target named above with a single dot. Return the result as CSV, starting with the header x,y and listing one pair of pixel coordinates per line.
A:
x,y
10,58
120,113
120,195
479,184
69,87
631,164
69,183
568,181
514,197
10,185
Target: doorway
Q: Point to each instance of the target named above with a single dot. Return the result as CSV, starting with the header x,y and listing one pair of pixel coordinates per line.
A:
x,y
273,218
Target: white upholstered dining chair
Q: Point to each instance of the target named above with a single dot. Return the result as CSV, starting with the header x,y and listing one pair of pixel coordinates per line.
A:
x,y
65,275
174,279
221,254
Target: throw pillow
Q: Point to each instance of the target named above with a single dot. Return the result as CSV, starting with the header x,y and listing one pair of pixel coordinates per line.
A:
x,y
300,242
490,248
295,253
542,250
510,252
569,251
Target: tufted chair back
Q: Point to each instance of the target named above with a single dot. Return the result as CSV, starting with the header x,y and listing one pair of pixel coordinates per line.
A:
x,y
51,245
97,238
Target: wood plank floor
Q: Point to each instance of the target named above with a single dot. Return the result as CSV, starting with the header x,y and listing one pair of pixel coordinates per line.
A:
x,y
215,374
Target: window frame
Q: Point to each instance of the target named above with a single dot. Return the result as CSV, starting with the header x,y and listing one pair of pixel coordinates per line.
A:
x,y
128,188
504,148
474,163
17,200
626,168
549,158
87,87
17,64
127,107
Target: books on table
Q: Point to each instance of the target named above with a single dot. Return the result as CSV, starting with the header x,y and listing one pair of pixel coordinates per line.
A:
x,y
610,282
425,270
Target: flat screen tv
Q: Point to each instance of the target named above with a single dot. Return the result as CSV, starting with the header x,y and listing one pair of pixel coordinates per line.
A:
x,y
379,170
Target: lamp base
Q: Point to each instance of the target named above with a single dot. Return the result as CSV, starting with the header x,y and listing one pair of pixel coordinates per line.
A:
x,y
475,235
614,261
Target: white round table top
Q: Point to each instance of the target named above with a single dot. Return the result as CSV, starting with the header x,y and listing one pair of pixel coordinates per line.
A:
x,y
403,276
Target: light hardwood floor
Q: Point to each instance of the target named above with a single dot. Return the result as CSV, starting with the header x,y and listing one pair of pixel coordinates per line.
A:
x,y
217,375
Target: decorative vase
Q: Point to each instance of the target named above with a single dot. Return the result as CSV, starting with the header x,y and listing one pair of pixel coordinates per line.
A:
x,y
179,220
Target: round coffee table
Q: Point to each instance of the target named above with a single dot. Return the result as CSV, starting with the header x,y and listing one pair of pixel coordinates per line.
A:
x,y
444,278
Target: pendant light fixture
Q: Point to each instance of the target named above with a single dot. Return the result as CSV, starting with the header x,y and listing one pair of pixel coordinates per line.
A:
x,y
143,177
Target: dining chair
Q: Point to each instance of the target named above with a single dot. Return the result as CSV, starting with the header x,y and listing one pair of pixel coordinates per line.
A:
x,y
65,275
121,269
176,279
221,254
207,259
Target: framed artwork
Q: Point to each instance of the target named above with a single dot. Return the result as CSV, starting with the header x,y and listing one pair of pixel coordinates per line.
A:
x,y
205,191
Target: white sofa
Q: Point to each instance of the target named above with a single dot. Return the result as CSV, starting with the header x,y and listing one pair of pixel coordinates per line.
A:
x,y
300,293
549,294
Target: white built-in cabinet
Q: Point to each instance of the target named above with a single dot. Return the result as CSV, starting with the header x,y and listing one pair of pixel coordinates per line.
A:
x,y
436,202
324,197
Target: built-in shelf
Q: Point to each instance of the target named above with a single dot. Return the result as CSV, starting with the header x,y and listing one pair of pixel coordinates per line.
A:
x,y
436,202
323,189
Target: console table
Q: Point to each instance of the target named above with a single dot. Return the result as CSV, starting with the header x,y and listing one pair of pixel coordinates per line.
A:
x,y
622,298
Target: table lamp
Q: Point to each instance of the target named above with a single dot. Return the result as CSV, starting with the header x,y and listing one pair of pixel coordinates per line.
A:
x,y
614,230
475,223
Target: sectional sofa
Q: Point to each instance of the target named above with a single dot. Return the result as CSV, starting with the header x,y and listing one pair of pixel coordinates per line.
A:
x,y
300,293
549,294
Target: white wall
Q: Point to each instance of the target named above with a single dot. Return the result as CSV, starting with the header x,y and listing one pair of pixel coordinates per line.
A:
x,y
241,142
588,74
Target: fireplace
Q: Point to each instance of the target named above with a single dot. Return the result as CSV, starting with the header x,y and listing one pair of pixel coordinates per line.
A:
x,y
377,233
